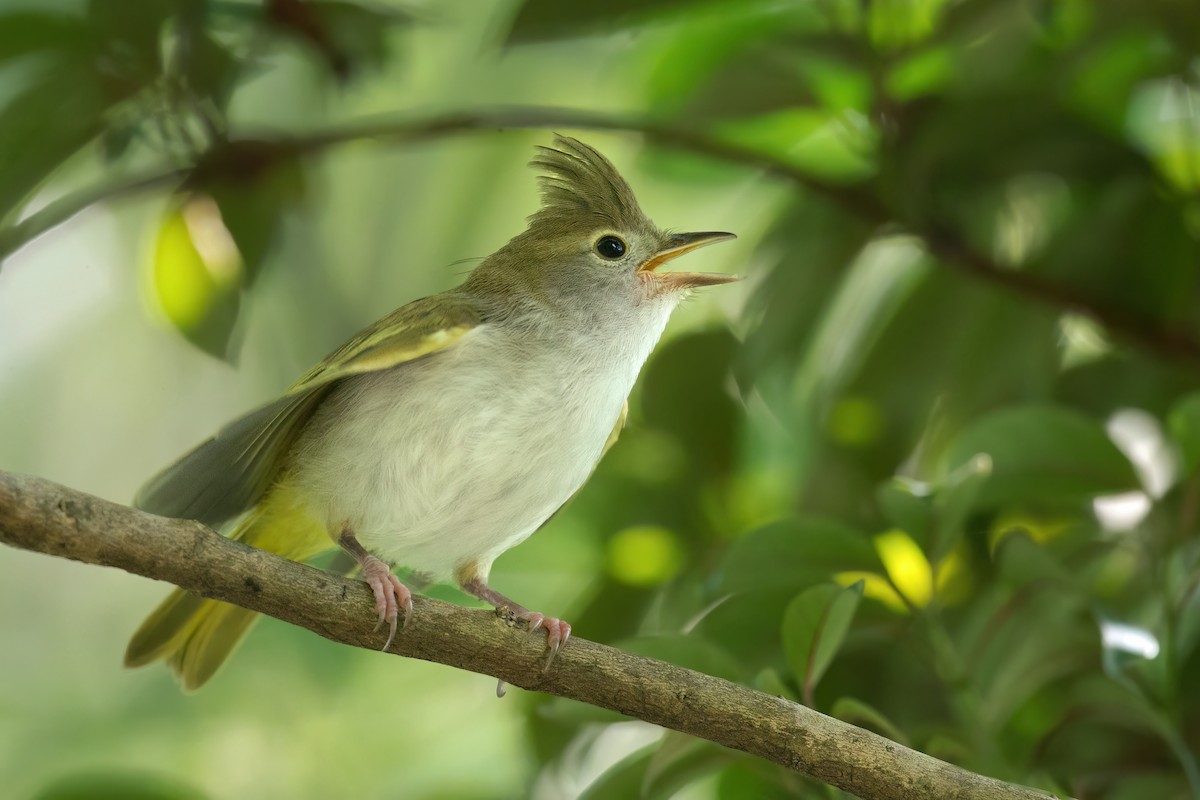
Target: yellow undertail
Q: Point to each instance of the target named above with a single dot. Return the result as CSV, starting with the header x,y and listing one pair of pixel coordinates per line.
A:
x,y
195,636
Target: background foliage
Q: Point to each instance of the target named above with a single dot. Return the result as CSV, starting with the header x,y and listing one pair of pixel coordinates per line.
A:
x,y
934,468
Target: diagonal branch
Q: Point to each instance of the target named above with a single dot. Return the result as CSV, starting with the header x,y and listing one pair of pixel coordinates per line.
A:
x,y
38,515
63,209
951,250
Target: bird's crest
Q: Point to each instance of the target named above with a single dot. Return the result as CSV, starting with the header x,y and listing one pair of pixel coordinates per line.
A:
x,y
579,182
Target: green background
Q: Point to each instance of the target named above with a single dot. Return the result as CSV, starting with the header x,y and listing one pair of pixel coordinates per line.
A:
x,y
933,467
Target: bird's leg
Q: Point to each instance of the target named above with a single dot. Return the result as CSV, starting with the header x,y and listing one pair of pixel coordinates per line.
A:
x,y
557,631
390,593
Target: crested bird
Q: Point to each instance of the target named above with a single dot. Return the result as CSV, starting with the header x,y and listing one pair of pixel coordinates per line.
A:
x,y
450,430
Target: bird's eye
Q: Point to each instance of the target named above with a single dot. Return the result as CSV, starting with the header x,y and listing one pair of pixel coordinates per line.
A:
x,y
610,247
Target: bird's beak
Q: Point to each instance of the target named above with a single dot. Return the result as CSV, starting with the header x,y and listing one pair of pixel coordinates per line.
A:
x,y
677,245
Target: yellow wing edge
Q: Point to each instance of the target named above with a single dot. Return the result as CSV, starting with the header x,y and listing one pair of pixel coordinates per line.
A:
x,y
374,353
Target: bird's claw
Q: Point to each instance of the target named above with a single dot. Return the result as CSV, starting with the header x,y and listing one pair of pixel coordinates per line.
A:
x,y
557,633
390,596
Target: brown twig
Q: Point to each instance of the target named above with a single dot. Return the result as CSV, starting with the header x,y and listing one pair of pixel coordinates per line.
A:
x,y
45,517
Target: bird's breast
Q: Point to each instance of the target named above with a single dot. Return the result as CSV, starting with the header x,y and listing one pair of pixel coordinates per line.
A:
x,y
460,456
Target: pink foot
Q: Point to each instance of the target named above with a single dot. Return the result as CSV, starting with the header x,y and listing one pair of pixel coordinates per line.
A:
x,y
390,595
557,632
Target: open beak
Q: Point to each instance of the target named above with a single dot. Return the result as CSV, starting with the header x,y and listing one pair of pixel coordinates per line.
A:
x,y
677,245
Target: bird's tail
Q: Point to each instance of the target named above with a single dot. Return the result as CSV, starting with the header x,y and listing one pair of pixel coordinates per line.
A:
x,y
194,635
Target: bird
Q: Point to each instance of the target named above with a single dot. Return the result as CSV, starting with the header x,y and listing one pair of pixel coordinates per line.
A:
x,y
448,431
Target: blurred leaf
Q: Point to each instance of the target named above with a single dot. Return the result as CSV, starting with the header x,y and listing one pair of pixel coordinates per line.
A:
x,y
796,553
922,73
197,274
622,780
88,66
757,82
858,712
128,35
1042,454
25,32
770,682
58,113
1104,77
644,555
691,651
907,566
907,506
814,626
539,20
117,785
742,781
953,503
1121,380
116,139
562,710
685,393
808,250
679,761
747,623
824,143
209,67
1021,560
947,748
1126,648
1184,424
1187,634
350,36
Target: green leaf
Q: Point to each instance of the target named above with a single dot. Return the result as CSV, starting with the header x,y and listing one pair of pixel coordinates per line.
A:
x,y
678,762
622,780
861,713
127,41
907,506
770,682
574,712
116,139
1021,560
197,274
358,30
88,67
211,69
759,781
37,137
116,784
953,504
814,626
795,553
1042,455
686,650
349,36
684,393
541,20
1184,424
25,32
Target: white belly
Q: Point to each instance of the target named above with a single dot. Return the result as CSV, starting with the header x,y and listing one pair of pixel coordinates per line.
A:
x,y
455,459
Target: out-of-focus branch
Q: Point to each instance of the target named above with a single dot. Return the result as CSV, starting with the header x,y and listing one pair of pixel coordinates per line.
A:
x,y
949,248
38,515
14,237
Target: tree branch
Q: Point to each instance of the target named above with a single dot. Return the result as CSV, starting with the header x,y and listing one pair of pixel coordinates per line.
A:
x,y
951,250
14,237
38,515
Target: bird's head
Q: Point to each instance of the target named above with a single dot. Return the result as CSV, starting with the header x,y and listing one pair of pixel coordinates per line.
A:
x,y
590,236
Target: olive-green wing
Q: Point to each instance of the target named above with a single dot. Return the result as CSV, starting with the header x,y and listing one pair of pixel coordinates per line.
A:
x,y
227,474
